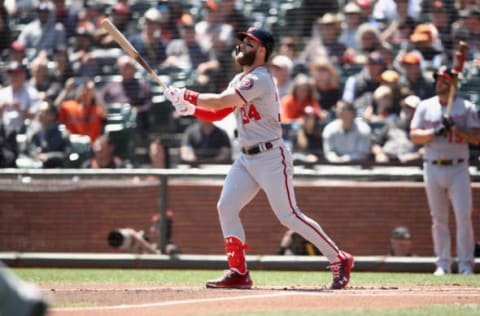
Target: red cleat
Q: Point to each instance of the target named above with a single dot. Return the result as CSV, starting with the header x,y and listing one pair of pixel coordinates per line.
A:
x,y
231,280
341,271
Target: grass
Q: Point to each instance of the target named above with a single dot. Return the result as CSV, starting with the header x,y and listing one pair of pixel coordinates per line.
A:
x,y
261,278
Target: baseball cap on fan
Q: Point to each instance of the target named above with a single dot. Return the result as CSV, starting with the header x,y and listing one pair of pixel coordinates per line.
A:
x,y
261,36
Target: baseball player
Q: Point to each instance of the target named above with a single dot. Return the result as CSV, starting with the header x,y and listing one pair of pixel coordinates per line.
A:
x,y
264,163
445,138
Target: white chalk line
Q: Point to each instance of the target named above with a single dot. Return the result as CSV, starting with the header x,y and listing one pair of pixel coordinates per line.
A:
x,y
257,296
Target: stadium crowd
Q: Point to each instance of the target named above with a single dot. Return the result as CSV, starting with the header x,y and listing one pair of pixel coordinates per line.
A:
x,y
349,74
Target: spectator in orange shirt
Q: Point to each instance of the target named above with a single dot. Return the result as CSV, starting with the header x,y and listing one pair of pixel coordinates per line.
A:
x,y
83,115
301,97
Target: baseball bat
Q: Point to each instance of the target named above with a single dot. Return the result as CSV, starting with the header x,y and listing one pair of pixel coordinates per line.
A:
x,y
457,68
130,50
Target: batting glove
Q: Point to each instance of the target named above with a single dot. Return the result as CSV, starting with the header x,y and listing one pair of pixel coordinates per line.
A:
x,y
184,108
440,131
174,95
448,122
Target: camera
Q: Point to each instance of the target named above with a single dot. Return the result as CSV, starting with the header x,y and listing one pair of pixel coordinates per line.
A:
x,y
121,238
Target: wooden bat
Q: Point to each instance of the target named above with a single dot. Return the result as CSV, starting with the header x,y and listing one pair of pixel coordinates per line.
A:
x,y
130,50
457,68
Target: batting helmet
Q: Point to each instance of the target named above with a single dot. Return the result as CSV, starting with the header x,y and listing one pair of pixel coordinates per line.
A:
x,y
261,36
444,72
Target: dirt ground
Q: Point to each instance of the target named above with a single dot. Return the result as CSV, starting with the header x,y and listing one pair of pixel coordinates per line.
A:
x,y
122,300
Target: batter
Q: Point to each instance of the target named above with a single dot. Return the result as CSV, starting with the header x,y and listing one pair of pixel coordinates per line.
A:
x,y
446,175
264,164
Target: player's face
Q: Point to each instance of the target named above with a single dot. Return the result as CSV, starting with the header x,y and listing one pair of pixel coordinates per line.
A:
x,y
247,53
442,85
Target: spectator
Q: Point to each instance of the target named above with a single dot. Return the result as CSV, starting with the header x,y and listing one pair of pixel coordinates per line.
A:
x,y
233,16
293,244
382,108
440,18
186,53
360,86
325,41
148,42
120,16
60,74
84,62
41,79
393,142
346,139
309,140
369,40
414,78
281,67
130,90
425,41
85,114
203,142
66,16
469,22
103,155
92,16
353,20
5,32
19,100
288,47
400,242
400,17
17,52
301,97
326,81
8,148
46,142
43,33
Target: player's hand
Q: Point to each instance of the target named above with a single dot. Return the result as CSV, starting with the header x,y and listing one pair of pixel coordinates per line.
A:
x,y
448,122
440,131
174,95
184,108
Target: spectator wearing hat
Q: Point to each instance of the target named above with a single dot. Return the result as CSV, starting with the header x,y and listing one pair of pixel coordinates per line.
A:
x,y
281,67
360,86
399,17
425,40
413,77
392,143
40,79
92,15
353,20
67,16
325,40
401,242
43,33
18,100
148,43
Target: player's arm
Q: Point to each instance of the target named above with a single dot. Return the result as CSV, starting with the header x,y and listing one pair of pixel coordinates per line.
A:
x,y
227,99
421,136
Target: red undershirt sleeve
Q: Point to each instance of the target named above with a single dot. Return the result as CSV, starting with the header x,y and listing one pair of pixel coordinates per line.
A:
x,y
210,115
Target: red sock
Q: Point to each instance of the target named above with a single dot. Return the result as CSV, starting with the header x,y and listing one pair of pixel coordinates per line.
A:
x,y
235,250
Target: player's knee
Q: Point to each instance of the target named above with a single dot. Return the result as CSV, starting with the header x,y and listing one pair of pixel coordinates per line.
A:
x,y
288,220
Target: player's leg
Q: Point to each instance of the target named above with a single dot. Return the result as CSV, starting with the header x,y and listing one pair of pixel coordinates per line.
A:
x,y
461,196
438,203
275,176
239,188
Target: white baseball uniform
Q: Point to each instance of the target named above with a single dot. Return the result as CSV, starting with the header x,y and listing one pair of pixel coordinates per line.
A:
x,y
447,178
271,169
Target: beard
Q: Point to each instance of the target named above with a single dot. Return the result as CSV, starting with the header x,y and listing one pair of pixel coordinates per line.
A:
x,y
245,59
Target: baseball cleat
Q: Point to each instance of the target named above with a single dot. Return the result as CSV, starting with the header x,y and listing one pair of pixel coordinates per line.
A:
x,y
231,280
341,271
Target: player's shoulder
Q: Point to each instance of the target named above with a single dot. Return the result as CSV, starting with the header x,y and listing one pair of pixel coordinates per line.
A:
x,y
426,102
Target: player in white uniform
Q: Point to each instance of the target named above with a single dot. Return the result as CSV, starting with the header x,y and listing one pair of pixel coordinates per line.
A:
x,y
264,164
446,173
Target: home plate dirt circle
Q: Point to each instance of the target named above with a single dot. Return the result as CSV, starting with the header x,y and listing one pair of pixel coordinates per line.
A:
x,y
120,300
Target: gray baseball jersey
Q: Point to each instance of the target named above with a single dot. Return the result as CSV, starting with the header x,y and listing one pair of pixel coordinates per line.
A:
x,y
448,182
258,119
